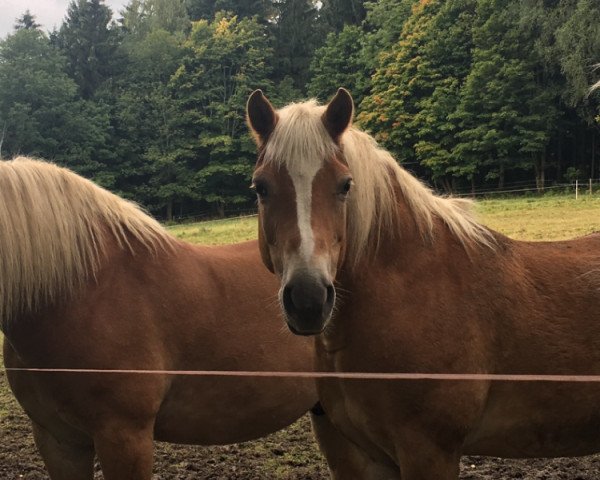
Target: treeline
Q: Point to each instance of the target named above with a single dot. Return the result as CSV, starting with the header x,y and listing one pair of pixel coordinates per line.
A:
x,y
466,93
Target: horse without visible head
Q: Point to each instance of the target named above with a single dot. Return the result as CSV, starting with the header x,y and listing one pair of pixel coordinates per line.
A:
x,y
88,281
424,288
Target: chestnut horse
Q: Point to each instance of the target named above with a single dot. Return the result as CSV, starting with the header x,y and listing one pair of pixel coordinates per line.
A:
x,y
89,281
424,288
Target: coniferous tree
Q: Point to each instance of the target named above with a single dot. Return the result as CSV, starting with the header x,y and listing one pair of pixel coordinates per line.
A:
x,y
383,26
140,17
89,42
168,15
207,9
296,37
145,116
27,22
336,14
133,19
340,63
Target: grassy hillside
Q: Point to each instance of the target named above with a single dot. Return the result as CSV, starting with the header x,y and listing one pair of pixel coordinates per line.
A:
x,y
545,218
217,232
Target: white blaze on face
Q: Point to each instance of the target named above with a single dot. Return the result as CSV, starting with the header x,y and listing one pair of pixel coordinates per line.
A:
x,y
302,180
301,143
305,258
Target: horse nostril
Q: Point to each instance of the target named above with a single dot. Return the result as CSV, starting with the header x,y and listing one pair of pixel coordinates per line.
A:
x,y
330,295
288,303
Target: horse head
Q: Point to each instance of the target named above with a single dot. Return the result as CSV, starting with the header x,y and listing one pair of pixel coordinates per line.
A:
x,y
302,182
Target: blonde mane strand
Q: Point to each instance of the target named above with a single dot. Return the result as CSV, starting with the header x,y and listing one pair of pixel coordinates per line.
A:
x,y
53,227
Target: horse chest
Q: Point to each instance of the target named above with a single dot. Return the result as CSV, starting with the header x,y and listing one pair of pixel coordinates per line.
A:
x,y
353,405
354,419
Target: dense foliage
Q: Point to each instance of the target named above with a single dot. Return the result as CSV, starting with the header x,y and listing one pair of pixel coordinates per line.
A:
x,y
150,101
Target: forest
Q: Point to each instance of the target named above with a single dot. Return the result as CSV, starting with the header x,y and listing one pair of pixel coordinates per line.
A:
x,y
149,102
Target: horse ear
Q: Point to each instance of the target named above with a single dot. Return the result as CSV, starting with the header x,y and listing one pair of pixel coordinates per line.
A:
x,y
338,115
261,116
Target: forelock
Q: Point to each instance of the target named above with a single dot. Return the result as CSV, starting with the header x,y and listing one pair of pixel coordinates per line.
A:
x,y
300,137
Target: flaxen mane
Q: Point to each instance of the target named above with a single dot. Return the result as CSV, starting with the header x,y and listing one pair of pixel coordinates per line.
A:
x,y
300,137
52,227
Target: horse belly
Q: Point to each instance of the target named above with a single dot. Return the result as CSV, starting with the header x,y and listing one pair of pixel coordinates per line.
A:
x,y
216,411
538,420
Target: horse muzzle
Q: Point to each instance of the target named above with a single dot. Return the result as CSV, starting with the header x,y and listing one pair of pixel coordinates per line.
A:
x,y
307,303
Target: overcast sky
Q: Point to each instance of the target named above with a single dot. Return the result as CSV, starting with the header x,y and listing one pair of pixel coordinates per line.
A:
x,y
49,13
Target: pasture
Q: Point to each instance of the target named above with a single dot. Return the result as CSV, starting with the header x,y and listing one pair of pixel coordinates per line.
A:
x,y
292,454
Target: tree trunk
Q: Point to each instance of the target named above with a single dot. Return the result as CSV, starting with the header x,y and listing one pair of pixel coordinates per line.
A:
x,y
170,210
501,177
2,139
221,210
446,184
540,172
592,170
559,157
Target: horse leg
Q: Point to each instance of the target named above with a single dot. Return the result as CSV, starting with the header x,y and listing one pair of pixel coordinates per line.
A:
x,y
345,459
125,451
64,461
426,459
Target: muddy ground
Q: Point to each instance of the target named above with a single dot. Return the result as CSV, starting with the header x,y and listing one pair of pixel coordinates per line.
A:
x,y
289,454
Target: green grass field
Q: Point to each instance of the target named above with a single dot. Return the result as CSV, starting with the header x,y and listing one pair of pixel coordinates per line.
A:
x,y
217,232
542,218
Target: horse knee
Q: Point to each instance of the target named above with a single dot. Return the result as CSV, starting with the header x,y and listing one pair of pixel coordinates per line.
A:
x,y
125,451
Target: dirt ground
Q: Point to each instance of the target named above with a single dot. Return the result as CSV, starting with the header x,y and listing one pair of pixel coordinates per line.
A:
x,y
289,454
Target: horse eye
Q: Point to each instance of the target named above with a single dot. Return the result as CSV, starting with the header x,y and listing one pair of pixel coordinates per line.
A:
x,y
260,189
347,186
